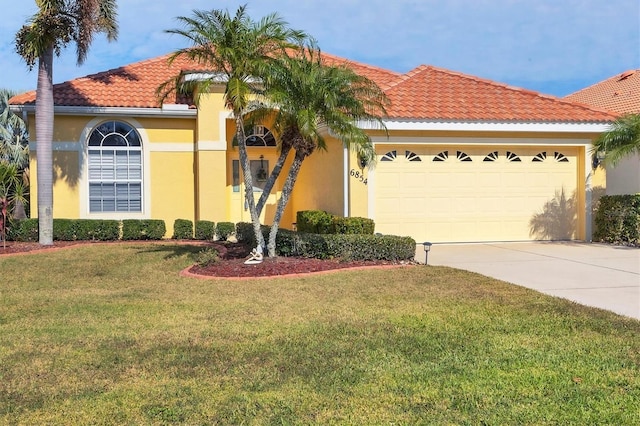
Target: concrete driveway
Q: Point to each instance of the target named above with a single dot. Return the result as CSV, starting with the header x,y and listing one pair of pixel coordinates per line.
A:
x,y
596,275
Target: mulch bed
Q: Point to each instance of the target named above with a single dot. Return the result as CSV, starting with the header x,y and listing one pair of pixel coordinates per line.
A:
x,y
232,260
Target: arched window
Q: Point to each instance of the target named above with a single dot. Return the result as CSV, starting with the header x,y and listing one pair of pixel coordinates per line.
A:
x,y
115,168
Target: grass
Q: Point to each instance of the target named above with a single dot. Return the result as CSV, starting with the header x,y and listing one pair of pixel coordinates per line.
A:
x,y
110,334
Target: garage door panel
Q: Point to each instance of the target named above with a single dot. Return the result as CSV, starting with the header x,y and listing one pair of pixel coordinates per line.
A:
x,y
457,201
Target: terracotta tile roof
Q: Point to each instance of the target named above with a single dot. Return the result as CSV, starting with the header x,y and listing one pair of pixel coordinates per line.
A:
x,y
380,76
620,93
424,93
434,93
132,85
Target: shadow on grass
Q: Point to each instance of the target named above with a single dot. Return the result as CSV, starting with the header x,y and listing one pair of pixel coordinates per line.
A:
x,y
174,250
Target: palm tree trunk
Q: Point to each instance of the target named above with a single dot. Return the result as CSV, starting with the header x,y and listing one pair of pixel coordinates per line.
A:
x,y
248,180
275,173
44,150
284,199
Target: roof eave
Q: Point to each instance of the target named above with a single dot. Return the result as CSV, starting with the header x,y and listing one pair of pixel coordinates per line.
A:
x,y
493,126
167,111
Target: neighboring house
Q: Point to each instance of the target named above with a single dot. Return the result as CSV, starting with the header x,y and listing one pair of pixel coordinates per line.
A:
x,y
621,95
465,159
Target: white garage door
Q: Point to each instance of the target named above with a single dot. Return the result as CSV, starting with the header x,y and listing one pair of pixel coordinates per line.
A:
x,y
469,194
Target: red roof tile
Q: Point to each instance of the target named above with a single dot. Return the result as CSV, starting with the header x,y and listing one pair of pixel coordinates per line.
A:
x,y
424,93
132,85
620,93
434,93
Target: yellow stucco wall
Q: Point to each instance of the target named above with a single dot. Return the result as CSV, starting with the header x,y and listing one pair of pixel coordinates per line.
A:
x,y
211,187
320,182
172,190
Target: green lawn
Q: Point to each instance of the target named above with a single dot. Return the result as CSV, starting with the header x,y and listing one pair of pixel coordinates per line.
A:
x,y
110,334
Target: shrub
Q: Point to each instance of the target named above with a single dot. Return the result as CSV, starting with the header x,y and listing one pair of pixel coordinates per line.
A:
x,y
207,257
345,246
85,230
371,247
353,225
244,233
64,230
145,229
97,229
314,222
617,220
182,229
224,230
25,230
205,230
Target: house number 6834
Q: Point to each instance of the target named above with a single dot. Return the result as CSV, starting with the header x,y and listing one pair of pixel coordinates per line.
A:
x,y
358,175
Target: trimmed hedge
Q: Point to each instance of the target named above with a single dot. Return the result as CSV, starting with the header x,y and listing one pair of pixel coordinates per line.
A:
x,y
25,230
353,225
85,230
244,233
314,222
224,230
182,229
205,230
617,220
345,246
143,229
321,222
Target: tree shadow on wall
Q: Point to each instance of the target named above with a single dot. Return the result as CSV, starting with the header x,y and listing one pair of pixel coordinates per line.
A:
x,y
557,220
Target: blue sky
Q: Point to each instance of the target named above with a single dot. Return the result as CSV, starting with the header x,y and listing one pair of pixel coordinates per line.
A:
x,y
551,46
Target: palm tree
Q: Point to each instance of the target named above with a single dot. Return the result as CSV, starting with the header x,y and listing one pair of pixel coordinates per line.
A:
x,y
57,23
14,144
621,140
313,99
13,192
239,52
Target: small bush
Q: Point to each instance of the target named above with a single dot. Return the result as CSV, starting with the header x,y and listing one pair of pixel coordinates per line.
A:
x,y
25,230
345,246
353,225
64,230
182,229
314,222
207,257
224,230
85,230
244,233
371,247
205,230
617,220
97,229
145,229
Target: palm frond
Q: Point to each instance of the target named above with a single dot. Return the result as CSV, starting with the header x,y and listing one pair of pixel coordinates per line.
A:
x,y
621,140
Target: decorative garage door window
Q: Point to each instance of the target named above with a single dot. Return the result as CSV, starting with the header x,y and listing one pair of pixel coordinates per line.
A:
x,y
492,156
444,156
557,156
513,157
393,155
115,168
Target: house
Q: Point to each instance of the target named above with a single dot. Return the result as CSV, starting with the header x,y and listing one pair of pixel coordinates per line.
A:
x,y
620,94
464,160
